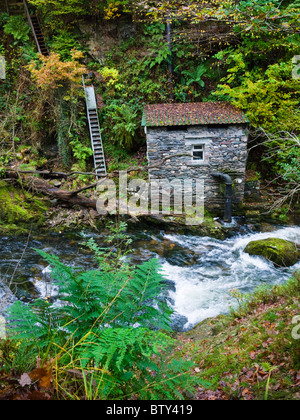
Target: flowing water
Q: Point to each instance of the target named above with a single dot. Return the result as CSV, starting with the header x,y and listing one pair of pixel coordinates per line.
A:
x,y
201,270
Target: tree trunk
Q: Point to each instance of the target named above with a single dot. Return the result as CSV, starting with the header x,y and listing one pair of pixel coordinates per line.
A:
x,y
67,197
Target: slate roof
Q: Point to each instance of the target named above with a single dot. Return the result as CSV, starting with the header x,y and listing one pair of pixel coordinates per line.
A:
x,y
201,113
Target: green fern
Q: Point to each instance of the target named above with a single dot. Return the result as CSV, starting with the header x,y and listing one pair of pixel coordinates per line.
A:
x,y
112,322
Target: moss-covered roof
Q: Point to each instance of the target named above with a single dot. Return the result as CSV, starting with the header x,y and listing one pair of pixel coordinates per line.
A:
x,y
202,113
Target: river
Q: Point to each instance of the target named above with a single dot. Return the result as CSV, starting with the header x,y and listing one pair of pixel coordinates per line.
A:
x,y
202,270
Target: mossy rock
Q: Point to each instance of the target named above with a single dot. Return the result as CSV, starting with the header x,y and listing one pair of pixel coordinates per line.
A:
x,y
19,209
281,252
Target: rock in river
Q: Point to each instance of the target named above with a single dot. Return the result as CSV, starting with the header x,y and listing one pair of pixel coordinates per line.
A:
x,y
281,252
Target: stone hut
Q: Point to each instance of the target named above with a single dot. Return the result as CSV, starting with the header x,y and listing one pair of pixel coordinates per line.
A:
x,y
212,136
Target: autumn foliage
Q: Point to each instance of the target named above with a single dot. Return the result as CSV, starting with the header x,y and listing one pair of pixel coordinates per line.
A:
x,y
55,73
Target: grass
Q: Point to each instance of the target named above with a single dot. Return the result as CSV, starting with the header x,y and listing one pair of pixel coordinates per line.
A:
x,y
250,354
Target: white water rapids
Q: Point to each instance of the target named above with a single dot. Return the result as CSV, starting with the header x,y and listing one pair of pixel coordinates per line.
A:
x,y
202,290
204,270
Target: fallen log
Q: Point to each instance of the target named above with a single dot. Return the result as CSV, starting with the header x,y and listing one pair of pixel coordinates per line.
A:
x,y
68,197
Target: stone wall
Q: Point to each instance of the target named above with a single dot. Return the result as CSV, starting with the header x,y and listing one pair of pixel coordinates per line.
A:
x,y
225,151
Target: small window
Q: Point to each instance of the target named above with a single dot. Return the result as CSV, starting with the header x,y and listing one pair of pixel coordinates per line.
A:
x,y
198,153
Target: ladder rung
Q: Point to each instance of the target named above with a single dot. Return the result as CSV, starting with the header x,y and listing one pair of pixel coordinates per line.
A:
x,y
96,140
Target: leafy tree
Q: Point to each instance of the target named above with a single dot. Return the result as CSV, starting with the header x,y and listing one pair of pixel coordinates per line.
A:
x,y
270,98
54,71
258,78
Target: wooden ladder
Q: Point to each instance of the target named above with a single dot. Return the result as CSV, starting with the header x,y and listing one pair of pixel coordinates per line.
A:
x,y
95,131
36,30
15,7
12,7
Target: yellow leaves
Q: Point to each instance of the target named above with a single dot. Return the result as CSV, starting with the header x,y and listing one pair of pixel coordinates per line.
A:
x,y
53,72
110,76
111,11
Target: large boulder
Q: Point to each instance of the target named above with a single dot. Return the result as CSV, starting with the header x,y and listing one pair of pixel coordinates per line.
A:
x,y
281,252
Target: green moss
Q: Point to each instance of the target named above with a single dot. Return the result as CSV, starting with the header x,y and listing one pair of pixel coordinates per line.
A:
x,y
281,252
19,209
